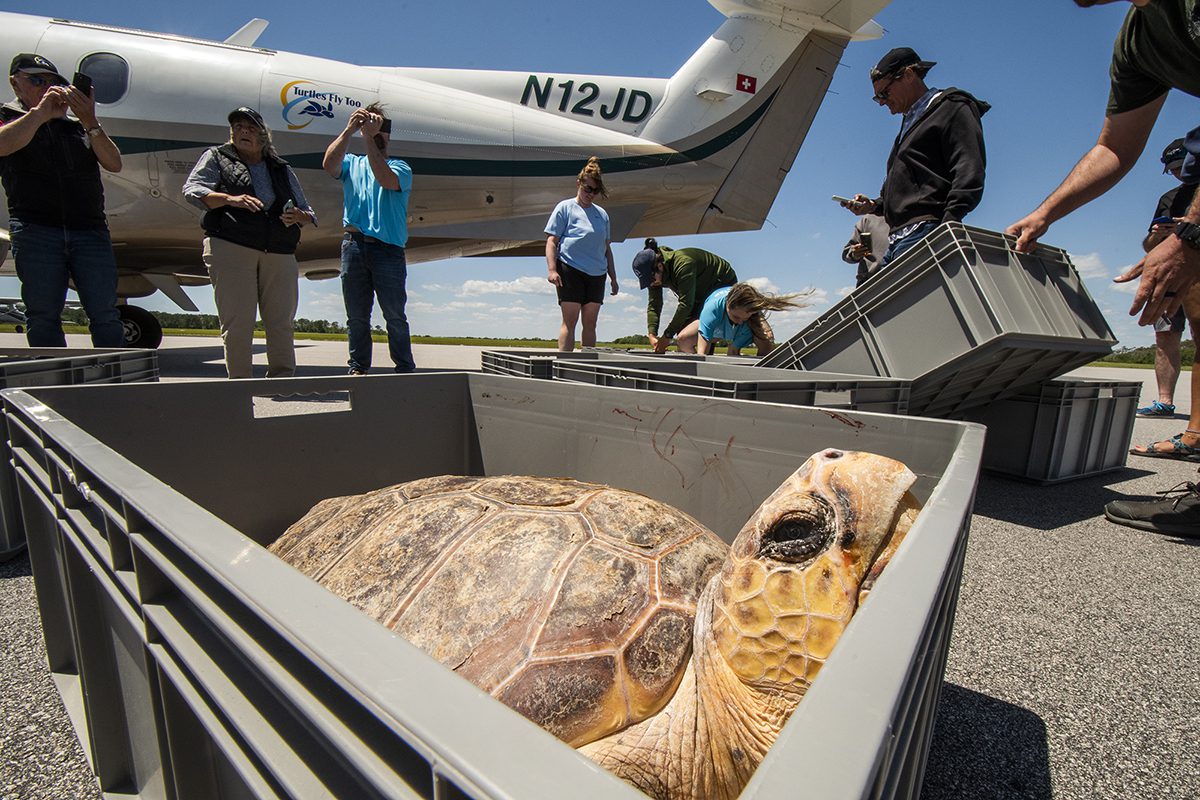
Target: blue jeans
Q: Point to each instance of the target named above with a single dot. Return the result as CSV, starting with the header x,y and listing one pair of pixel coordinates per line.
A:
x,y
46,258
372,268
898,247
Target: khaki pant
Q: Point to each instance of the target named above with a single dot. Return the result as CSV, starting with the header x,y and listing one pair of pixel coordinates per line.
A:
x,y
246,282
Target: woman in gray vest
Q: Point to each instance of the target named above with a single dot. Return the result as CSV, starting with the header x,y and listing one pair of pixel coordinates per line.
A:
x,y
254,209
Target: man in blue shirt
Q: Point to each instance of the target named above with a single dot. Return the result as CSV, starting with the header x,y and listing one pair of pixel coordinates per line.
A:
x,y
375,190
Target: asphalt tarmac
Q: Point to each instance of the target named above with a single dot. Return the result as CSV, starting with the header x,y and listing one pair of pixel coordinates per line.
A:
x,y
1072,668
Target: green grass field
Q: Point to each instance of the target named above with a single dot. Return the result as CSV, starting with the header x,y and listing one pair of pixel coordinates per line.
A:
x,y
470,341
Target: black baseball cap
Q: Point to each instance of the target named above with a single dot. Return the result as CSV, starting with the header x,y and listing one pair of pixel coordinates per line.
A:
x,y
249,113
897,59
643,267
33,63
1172,153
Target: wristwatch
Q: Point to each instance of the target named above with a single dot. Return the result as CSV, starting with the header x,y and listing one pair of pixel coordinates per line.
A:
x,y
94,131
1189,234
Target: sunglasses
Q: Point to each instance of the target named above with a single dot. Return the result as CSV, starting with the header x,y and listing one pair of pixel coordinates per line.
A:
x,y
39,80
882,95
590,189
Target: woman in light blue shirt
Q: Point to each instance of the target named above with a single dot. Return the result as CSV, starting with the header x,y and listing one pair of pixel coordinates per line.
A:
x,y
735,314
578,256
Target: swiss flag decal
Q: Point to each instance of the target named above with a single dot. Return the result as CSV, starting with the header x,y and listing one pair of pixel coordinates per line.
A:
x,y
747,83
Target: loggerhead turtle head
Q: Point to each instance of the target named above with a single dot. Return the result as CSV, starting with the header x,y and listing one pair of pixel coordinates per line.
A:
x,y
794,574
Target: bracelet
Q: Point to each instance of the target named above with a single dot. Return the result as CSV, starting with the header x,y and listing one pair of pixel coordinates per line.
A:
x,y
94,131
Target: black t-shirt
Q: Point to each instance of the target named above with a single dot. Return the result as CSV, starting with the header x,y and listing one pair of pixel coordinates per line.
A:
x,y
1158,49
1175,202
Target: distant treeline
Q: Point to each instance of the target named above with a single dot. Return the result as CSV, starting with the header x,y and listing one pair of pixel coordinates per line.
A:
x,y
1145,355
209,322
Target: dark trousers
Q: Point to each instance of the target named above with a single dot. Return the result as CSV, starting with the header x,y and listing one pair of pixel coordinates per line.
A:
x,y
372,268
46,258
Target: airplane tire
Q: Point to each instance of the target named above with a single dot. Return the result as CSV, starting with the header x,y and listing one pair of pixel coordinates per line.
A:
x,y
141,327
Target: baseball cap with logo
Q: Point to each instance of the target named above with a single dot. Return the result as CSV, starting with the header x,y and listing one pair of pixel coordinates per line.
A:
x,y
1173,155
34,64
897,59
643,267
248,113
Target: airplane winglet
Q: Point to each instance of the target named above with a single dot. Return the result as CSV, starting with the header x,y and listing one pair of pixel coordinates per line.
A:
x,y
248,34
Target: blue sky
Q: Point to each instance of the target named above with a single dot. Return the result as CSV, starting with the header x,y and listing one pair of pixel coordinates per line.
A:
x,y
1042,64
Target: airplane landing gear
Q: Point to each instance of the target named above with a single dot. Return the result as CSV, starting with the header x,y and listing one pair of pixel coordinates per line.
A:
x,y
141,327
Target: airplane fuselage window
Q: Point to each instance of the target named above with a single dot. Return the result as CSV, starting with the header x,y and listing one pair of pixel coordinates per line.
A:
x,y
109,73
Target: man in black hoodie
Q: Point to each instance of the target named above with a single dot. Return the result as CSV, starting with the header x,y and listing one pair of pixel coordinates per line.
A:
x,y
935,170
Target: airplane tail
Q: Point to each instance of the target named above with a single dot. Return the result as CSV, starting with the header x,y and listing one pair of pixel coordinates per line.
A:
x,y
745,100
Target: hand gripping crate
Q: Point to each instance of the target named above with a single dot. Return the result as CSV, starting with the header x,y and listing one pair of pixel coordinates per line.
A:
x,y
713,379
964,316
1059,430
196,665
57,366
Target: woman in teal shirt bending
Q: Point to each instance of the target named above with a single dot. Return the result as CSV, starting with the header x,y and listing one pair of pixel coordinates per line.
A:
x,y
736,315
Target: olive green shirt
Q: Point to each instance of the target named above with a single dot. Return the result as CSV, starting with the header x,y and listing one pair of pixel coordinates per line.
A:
x,y
692,274
1158,49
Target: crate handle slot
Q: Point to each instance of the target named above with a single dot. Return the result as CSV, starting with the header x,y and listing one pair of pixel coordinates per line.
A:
x,y
266,406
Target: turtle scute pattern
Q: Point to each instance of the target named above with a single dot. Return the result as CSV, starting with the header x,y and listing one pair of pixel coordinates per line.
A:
x,y
571,602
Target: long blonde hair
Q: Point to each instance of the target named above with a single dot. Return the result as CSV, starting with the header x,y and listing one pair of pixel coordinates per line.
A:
x,y
592,170
743,295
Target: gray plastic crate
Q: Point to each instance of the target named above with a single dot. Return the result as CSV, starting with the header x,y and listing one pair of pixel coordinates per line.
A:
x,y
1060,430
195,664
530,363
964,316
711,379
57,366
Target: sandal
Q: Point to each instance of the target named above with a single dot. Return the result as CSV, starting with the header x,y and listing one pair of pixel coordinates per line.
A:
x,y
1179,450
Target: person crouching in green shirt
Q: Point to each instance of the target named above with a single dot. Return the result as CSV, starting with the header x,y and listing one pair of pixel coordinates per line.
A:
x,y
692,274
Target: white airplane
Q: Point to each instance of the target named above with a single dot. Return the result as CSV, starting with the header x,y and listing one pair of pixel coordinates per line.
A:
x,y
491,152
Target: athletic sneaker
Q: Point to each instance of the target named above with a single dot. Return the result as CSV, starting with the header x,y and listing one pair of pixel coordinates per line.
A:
x,y
1157,409
1178,512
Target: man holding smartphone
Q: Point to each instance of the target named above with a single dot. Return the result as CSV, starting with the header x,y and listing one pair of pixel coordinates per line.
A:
x,y
1168,330
935,171
50,169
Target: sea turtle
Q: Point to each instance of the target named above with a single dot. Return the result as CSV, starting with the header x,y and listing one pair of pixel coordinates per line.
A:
x,y
582,593
573,603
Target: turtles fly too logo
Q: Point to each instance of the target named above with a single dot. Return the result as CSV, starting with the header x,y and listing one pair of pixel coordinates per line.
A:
x,y
304,102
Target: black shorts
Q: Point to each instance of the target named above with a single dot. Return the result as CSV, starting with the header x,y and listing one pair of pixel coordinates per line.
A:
x,y
578,286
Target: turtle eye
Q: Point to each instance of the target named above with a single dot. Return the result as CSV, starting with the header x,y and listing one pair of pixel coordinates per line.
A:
x,y
800,533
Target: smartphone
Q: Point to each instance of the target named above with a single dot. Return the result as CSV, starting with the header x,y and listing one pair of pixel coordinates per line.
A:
x,y
288,206
837,198
1161,221
864,239
83,83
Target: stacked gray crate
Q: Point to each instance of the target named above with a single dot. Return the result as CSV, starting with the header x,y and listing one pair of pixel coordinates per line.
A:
x,y
1059,430
714,379
531,363
57,366
962,315
195,664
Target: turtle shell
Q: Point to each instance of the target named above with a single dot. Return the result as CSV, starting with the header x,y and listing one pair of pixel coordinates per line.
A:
x,y
572,603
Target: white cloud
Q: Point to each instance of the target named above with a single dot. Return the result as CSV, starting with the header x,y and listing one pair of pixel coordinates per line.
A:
x,y
526,284
1089,265
763,285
